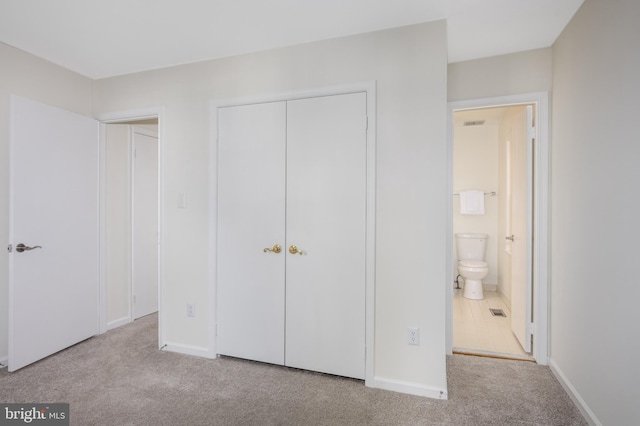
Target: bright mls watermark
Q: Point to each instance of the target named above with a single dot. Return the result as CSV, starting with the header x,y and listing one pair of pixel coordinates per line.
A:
x,y
34,414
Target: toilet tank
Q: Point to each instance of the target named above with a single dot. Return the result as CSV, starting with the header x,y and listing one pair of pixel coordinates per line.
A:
x,y
471,246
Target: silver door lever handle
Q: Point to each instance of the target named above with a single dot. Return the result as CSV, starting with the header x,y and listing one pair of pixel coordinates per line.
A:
x,y
21,247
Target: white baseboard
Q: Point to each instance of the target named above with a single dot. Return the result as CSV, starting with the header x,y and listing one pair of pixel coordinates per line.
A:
x,y
4,361
489,287
486,287
574,395
118,323
411,388
187,350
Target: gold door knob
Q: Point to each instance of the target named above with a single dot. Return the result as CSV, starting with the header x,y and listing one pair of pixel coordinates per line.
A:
x,y
275,249
294,250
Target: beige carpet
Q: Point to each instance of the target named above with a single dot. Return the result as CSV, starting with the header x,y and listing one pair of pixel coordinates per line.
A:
x,y
120,378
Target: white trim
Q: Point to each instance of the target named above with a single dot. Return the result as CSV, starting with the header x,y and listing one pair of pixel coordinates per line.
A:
x,y
489,287
370,256
366,86
119,323
130,198
410,388
370,88
541,215
119,117
4,362
213,230
186,349
103,327
574,395
131,115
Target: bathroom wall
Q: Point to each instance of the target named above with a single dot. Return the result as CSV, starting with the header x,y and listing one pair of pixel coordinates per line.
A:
x,y
475,166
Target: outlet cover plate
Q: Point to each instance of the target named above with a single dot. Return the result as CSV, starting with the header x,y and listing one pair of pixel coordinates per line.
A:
x,y
413,336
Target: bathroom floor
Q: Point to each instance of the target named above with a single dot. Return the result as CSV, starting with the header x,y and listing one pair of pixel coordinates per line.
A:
x,y
475,330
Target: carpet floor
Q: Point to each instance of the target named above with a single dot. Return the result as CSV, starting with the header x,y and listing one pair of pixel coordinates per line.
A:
x,y
121,378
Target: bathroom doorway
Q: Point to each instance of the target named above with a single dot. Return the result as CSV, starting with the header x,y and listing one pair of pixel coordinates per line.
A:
x,y
493,148
131,219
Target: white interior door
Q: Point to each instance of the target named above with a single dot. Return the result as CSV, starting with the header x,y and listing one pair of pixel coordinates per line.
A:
x,y
326,206
145,222
53,289
251,221
521,208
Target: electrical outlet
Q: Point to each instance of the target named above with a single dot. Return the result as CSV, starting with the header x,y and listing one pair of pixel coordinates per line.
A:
x,y
191,309
413,336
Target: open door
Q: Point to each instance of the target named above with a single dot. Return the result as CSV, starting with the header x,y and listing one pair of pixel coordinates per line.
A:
x,y
521,229
145,222
53,261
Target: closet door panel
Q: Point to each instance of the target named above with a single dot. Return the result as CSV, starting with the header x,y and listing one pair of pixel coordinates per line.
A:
x,y
326,202
251,217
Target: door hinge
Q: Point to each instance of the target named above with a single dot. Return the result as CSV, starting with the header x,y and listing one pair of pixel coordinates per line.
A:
x,y
531,132
530,328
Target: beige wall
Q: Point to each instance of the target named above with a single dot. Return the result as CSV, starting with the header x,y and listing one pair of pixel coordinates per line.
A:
x,y
594,218
524,72
476,166
28,76
409,65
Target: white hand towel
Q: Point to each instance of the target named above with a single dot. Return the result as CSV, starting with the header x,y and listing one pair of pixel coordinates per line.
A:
x,y
472,202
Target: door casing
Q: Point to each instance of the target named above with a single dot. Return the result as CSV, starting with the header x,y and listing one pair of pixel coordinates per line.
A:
x,y
540,253
370,89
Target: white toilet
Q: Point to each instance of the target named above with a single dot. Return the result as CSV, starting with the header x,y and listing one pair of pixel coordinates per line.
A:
x,y
471,250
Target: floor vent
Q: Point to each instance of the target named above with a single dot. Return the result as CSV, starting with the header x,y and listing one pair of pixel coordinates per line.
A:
x,y
497,313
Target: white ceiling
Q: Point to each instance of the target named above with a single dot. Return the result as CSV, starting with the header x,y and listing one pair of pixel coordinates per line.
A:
x,y
102,38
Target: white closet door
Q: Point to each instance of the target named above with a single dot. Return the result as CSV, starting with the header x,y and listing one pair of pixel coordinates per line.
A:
x,y
326,201
251,215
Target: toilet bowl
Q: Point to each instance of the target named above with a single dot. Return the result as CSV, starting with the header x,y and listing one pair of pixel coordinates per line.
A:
x,y
473,272
471,250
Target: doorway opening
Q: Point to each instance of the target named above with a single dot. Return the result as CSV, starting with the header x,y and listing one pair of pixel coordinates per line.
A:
x,y
498,147
131,237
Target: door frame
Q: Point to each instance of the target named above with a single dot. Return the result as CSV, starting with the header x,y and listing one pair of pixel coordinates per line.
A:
x,y
540,250
369,87
117,117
